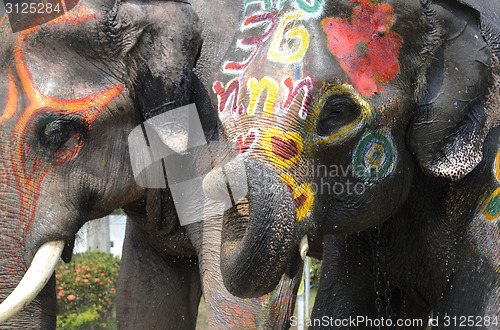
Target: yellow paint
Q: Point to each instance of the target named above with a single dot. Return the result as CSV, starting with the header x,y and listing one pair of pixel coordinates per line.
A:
x,y
352,128
295,32
305,189
267,146
256,89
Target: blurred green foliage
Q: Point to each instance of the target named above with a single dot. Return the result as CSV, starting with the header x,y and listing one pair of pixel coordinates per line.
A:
x,y
85,290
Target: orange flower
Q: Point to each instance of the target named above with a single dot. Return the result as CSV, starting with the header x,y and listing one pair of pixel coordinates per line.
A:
x,y
86,281
58,275
96,280
71,297
59,288
112,289
77,280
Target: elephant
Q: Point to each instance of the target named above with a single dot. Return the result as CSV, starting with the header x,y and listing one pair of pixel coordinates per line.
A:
x,y
370,125
72,89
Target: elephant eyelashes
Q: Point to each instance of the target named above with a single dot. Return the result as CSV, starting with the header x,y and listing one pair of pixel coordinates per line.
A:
x,y
336,113
54,133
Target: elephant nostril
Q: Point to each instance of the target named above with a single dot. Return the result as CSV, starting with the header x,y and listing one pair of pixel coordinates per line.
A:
x,y
236,221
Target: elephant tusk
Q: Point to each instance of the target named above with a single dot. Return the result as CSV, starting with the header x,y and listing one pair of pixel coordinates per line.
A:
x,y
41,269
303,247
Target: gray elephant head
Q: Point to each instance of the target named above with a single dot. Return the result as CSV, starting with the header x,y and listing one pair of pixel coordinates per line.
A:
x,y
70,92
332,106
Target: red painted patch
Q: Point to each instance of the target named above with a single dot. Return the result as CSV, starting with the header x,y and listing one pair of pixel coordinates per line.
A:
x,y
234,315
243,143
366,48
224,94
284,149
299,201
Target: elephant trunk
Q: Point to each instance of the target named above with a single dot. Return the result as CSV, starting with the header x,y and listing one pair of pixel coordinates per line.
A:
x,y
258,233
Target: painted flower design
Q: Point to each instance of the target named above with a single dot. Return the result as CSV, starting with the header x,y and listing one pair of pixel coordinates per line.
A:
x,y
366,48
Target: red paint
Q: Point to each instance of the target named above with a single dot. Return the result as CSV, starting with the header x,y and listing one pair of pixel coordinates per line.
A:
x,y
234,315
224,94
284,149
366,48
244,143
255,41
293,92
299,201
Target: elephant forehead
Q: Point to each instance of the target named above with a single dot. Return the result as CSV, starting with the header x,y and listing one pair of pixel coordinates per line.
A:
x,y
288,52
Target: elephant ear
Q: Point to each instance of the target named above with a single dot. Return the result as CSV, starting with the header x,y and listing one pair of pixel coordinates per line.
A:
x,y
489,11
452,119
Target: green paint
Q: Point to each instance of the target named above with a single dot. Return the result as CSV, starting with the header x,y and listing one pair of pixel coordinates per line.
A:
x,y
267,3
493,207
362,49
310,8
303,5
375,171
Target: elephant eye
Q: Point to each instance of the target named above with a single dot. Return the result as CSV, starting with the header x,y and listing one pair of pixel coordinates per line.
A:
x,y
337,112
54,132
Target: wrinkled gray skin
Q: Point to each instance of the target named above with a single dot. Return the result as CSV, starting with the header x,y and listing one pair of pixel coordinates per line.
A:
x,y
141,53
422,237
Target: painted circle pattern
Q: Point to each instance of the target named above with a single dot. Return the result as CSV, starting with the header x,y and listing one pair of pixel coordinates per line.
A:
x,y
374,156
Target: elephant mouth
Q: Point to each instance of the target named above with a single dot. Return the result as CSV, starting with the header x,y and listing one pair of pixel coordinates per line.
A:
x,y
259,233
235,222
36,277
38,274
67,253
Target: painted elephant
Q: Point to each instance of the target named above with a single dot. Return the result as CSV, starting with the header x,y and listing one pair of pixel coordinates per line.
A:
x,y
371,123
71,91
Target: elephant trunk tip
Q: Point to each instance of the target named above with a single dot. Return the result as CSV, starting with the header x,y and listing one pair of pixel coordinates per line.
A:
x,y
259,233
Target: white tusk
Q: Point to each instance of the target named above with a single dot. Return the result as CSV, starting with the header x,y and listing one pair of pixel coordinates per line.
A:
x,y
303,247
34,280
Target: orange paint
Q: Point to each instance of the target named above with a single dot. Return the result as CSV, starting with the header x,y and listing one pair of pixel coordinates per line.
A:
x,y
77,15
11,101
28,181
